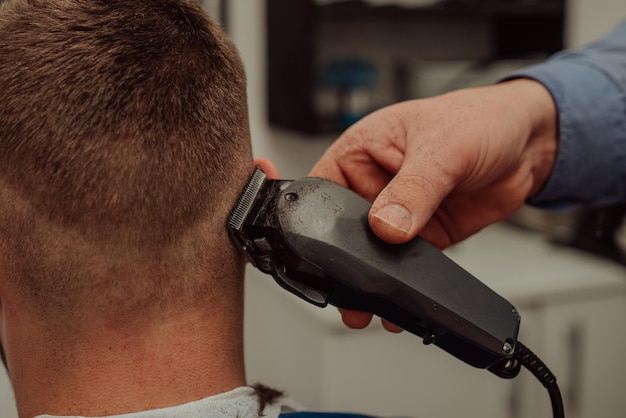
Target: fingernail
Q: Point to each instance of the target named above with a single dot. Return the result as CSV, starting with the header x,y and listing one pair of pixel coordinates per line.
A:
x,y
396,216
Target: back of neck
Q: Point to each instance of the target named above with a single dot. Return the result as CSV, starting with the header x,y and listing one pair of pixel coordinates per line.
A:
x,y
113,371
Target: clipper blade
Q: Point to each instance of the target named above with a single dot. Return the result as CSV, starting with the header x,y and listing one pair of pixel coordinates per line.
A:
x,y
246,199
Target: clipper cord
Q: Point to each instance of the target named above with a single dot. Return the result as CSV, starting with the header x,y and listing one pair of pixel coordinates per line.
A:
x,y
530,361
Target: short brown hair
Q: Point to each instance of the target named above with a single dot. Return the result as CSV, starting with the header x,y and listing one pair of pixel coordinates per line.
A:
x,y
123,129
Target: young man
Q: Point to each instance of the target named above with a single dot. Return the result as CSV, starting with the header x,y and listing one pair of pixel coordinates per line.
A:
x,y
124,145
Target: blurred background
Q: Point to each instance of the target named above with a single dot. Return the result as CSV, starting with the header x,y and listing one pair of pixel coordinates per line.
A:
x,y
316,66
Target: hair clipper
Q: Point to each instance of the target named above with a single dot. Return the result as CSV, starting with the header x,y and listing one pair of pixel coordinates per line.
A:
x,y
312,235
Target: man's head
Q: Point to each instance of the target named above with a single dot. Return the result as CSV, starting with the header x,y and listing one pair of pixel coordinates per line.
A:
x,y
123,143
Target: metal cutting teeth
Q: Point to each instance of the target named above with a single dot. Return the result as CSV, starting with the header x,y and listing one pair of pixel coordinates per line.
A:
x,y
246,199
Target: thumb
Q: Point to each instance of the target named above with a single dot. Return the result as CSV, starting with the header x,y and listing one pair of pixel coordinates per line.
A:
x,y
407,203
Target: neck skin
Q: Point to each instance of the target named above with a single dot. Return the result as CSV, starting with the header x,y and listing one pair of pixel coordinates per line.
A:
x,y
186,356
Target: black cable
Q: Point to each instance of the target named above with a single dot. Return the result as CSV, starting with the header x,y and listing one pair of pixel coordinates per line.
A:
x,y
530,361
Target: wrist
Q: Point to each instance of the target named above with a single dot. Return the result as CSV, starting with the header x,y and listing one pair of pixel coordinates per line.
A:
x,y
540,113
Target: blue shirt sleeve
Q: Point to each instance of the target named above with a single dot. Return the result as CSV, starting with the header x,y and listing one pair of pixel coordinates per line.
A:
x,y
588,86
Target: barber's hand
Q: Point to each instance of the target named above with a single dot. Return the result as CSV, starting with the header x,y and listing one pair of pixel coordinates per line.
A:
x,y
446,167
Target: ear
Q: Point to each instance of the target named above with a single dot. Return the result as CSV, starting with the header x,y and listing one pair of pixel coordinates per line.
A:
x,y
268,167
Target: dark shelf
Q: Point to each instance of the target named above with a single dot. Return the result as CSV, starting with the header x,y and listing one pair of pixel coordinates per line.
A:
x,y
517,29
363,11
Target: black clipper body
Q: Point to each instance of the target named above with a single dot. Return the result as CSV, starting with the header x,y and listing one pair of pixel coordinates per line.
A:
x,y
313,237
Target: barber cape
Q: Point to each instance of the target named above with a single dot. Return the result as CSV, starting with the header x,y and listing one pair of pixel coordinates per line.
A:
x,y
240,403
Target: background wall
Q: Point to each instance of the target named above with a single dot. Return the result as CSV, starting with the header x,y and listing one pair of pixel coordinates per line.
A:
x,y
588,19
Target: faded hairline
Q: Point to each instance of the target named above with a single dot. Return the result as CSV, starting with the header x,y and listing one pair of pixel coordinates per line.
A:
x,y
123,144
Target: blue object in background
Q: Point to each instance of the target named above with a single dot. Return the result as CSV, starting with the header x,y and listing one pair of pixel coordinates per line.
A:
x,y
353,80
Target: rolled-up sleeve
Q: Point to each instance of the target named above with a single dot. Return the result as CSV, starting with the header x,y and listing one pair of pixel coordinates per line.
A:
x,y
589,89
